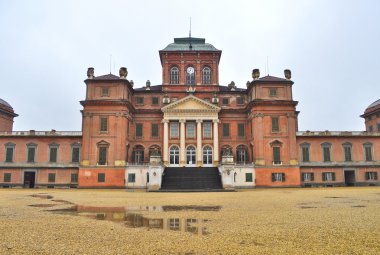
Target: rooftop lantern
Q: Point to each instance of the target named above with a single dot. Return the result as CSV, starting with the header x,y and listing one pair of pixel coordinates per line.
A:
x,y
147,84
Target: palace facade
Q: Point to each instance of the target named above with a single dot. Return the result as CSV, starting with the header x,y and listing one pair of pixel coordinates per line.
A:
x,y
177,134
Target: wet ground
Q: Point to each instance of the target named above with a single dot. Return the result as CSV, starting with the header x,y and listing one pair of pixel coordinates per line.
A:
x,y
270,221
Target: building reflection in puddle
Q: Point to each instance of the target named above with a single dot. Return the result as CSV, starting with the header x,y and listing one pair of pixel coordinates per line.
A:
x,y
133,218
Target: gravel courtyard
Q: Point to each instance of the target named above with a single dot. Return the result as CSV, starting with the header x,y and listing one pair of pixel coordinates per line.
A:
x,y
261,221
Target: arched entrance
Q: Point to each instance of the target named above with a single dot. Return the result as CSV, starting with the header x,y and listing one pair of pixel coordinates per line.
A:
x,y
190,156
207,156
174,155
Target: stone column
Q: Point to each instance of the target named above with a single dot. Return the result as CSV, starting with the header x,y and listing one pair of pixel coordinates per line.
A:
x,y
199,143
216,142
165,148
182,153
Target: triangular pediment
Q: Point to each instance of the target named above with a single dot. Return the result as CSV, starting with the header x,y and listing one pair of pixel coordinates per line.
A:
x,y
190,103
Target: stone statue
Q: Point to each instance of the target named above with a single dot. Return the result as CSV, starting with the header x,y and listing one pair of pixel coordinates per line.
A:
x,y
90,73
147,83
227,151
288,74
123,72
255,74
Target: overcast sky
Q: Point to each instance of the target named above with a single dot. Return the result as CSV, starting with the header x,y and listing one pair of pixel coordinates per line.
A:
x,y
332,48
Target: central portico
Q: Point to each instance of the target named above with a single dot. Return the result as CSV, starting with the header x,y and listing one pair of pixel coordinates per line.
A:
x,y
191,133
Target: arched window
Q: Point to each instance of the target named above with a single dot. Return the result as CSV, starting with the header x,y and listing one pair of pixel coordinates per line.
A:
x,y
138,154
190,155
206,75
207,155
190,75
241,154
174,75
174,155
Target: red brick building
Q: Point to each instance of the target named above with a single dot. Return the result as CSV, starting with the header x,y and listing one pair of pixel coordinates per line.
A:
x,y
188,126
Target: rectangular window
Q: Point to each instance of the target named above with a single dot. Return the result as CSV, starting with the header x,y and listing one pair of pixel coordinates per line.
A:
x,y
305,153
275,126
139,100
174,224
53,154
9,154
272,92
102,156
7,177
75,154
132,178
369,176
31,154
347,153
101,177
307,177
103,124
248,177
278,177
368,152
174,129
241,131
226,129
328,176
276,156
74,178
225,101
139,130
326,154
105,92
370,129
378,127
240,100
154,130
190,130
155,100
51,177
207,130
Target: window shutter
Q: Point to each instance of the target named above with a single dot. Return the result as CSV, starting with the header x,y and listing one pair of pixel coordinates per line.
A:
x,y
333,176
283,177
133,156
273,178
142,157
366,175
312,176
375,175
303,177
323,176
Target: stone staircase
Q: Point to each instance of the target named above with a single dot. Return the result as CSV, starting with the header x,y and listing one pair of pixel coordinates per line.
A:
x,y
191,179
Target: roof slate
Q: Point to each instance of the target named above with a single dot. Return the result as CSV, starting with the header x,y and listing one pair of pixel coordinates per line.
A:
x,y
183,44
107,77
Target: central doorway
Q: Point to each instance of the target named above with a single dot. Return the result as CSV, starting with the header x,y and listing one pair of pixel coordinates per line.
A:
x,y
29,179
190,156
349,177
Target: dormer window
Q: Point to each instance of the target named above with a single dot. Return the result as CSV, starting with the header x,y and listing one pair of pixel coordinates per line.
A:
x,y
206,75
174,75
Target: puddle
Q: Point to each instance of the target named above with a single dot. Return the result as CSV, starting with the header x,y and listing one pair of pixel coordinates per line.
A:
x,y
131,217
44,196
358,206
307,207
42,205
